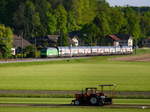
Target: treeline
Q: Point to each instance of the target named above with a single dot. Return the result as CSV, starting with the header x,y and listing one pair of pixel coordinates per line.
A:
x,y
94,19
34,18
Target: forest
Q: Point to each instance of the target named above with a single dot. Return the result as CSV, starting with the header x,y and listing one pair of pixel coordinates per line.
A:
x,y
94,19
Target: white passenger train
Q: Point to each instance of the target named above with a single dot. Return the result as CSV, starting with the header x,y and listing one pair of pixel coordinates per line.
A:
x,y
85,51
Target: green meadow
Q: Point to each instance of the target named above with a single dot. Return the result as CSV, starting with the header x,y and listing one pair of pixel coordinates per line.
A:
x,y
67,109
76,74
12,100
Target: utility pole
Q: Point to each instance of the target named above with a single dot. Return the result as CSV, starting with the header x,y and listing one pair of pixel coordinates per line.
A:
x,y
35,46
21,39
22,46
136,39
135,46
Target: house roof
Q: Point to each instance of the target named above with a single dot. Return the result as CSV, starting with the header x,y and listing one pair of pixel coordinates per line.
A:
x,y
20,42
114,37
147,38
124,36
119,36
53,38
74,34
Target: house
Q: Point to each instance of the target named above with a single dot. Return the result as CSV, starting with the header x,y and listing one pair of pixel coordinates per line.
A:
x,y
74,36
146,42
119,40
51,41
73,41
20,42
45,41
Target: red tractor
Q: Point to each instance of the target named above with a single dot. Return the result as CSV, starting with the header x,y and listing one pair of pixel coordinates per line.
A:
x,y
91,96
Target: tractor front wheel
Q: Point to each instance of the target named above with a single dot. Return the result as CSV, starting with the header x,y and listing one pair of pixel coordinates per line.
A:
x,y
77,102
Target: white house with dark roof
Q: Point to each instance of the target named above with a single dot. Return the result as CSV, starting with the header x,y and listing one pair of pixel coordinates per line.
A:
x,y
121,39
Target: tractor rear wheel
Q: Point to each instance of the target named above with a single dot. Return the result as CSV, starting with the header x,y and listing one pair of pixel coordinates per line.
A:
x,y
93,101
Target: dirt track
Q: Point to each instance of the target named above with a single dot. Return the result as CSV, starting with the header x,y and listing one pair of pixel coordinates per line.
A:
x,y
69,105
141,58
46,92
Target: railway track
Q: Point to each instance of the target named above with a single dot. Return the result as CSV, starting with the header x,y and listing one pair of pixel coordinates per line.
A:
x,y
70,105
37,60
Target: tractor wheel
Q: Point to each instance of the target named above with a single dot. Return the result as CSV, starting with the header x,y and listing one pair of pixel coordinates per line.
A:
x,y
93,101
76,102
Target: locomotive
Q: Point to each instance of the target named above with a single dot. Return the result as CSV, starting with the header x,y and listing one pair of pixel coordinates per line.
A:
x,y
85,51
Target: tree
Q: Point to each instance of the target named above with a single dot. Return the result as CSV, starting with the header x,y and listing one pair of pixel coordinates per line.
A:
x,y
43,7
7,9
61,16
116,20
133,23
51,23
3,4
19,20
102,22
104,27
27,20
71,22
84,10
5,41
90,34
55,3
29,51
30,18
63,40
103,6
145,24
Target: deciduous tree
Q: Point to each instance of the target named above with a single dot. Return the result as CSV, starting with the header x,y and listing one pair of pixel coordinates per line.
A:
x,y
6,38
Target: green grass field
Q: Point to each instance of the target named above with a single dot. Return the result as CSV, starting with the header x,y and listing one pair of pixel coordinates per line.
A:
x,y
68,109
65,101
75,75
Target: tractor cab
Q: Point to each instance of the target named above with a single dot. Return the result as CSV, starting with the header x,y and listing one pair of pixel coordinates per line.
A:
x,y
92,96
90,91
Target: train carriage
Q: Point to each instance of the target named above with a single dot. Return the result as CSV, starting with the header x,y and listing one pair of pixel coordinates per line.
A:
x,y
64,51
128,49
94,50
74,51
85,51
100,51
112,50
81,51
